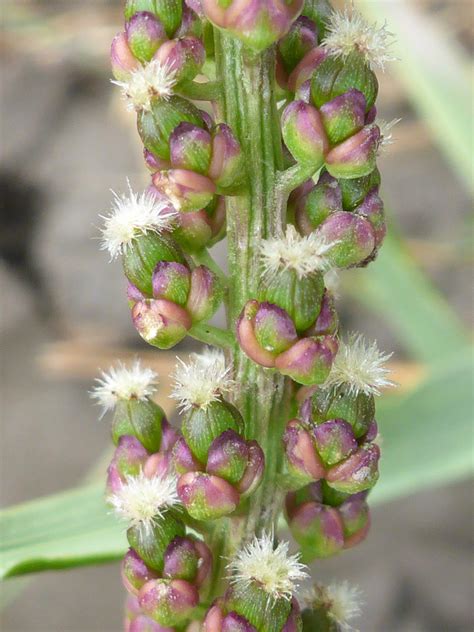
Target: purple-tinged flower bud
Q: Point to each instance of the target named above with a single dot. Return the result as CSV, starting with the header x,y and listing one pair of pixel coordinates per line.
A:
x,y
191,24
158,464
142,623
154,164
181,560
343,116
190,148
187,190
185,56
121,57
371,433
303,461
358,472
135,573
145,34
228,456
327,322
274,329
372,209
133,294
304,71
193,230
207,497
258,23
355,157
300,39
161,323
304,134
205,294
253,473
169,602
334,441
234,622
227,168
320,201
318,529
308,361
355,516
169,12
355,190
171,281
183,458
352,238
248,341
129,458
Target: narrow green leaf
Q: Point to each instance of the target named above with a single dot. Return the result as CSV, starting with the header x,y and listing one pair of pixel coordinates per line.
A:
x,y
436,76
68,529
395,287
427,434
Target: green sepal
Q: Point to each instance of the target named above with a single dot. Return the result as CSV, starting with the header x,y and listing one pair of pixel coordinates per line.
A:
x,y
152,548
169,12
335,76
257,606
320,12
141,257
141,419
155,126
354,190
299,297
358,409
331,496
202,425
320,202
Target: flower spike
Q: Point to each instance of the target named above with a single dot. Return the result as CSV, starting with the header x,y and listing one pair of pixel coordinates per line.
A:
x,y
275,571
133,215
124,383
202,380
146,82
348,31
360,365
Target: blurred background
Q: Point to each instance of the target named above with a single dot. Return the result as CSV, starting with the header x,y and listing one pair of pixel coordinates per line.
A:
x,y
66,140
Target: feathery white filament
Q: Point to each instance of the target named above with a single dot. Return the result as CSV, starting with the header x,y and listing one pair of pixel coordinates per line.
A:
x,y
348,31
202,380
122,382
133,215
152,80
272,569
141,501
386,134
342,602
292,251
361,366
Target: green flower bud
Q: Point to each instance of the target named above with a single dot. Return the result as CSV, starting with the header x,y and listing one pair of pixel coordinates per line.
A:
x,y
205,294
140,418
319,11
354,190
304,134
168,11
152,546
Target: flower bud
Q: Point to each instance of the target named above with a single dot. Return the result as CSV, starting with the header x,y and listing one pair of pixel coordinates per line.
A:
x,y
355,157
154,164
304,134
185,56
141,623
308,361
258,23
354,190
228,456
135,573
299,80
158,464
319,11
253,472
337,75
141,257
129,458
193,231
171,281
139,418
183,458
187,190
358,472
358,409
145,34
170,602
155,126
300,39
181,560
227,167
372,209
327,322
317,204
352,238
169,12
334,441
343,116
122,60
190,148
161,323
151,546
303,462
207,497
205,294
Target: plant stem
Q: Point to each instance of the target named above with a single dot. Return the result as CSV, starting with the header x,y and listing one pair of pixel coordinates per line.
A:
x,y
208,91
212,335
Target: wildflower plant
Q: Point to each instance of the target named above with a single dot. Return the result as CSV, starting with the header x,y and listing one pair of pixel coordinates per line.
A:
x,y
258,122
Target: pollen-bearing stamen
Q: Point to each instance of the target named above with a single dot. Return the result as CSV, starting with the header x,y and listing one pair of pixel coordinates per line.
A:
x,y
142,501
132,215
348,31
155,79
360,366
271,568
201,380
304,254
124,383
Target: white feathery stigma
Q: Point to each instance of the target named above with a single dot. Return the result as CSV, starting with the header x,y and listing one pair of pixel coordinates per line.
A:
x,y
347,31
201,380
272,569
304,254
122,382
386,134
155,79
132,215
361,366
342,602
141,501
